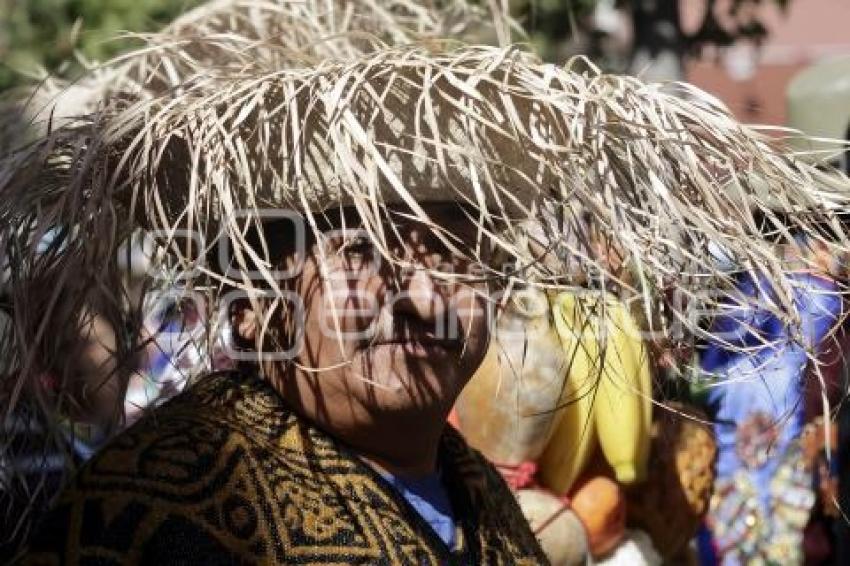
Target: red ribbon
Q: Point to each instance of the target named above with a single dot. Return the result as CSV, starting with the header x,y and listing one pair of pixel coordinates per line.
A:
x,y
519,476
524,476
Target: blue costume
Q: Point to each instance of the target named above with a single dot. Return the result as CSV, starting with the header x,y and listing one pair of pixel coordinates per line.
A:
x,y
763,493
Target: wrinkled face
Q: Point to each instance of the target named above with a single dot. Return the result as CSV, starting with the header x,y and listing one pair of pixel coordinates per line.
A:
x,y
376,338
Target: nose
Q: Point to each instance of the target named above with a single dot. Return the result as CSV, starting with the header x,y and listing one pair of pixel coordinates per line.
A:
x,y
420,296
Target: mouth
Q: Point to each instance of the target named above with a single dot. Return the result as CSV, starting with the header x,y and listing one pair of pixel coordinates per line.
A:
x,y
417,339
420,343
419,350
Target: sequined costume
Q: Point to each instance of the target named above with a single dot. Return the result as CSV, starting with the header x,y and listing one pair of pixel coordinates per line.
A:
x,y
764,494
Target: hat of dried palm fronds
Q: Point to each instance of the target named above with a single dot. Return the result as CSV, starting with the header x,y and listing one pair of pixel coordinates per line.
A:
x,y
277,34
572,176
214,122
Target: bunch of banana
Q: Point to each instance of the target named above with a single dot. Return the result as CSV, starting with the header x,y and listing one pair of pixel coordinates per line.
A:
x,y
574,440
609,392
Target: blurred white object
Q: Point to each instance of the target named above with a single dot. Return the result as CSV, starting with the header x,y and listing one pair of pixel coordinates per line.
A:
x,y
723,260
741,61
175,352
606,18
136,254
635,550
559,530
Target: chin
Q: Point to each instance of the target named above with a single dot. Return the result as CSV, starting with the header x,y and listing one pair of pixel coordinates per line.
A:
x,y
397,365
409,412
410,384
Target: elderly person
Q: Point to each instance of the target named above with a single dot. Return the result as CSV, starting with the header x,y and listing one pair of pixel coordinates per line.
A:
x,y
283,462
364,207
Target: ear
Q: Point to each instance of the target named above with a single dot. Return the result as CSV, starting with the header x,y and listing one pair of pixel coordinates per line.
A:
x,y
243,321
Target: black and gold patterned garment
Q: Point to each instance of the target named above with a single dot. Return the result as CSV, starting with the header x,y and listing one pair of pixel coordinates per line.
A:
x,y
225,474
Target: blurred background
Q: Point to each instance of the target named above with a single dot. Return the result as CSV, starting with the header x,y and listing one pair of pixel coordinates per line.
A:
x,y
744,51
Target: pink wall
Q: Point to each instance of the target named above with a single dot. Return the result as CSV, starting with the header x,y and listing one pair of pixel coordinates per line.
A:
x,y
752,82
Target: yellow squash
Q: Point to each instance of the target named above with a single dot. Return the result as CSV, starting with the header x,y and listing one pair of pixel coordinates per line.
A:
x,y
508,409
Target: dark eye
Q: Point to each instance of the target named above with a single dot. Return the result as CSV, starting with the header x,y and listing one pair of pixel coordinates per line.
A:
x,y
357,245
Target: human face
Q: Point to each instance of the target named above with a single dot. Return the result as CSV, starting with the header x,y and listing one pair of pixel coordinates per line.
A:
x,y
89,375
380,340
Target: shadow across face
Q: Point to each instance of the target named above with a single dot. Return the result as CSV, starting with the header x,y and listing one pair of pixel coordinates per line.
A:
x,y
387,331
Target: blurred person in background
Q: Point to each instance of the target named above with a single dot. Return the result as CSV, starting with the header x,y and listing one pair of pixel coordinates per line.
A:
x,y
770,481
818,105
34,467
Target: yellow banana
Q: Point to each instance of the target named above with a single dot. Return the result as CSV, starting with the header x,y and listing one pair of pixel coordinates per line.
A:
x,y
640,362
623,404
574,440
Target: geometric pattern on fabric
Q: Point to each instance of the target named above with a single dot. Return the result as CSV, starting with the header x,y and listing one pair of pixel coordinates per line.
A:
x,y
225,474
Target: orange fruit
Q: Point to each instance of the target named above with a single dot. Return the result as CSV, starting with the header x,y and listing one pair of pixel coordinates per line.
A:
x,y
600,504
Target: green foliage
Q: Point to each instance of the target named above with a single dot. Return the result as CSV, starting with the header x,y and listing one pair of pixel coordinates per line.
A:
x,y
46,34
551,22
38,35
